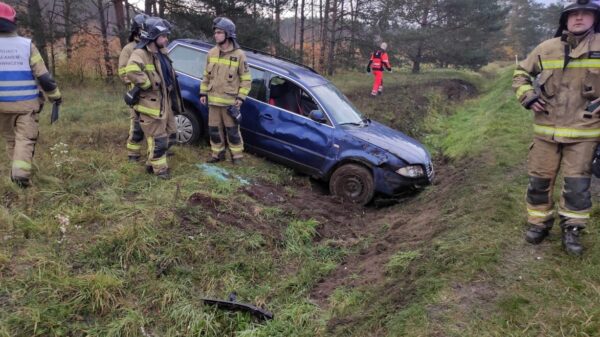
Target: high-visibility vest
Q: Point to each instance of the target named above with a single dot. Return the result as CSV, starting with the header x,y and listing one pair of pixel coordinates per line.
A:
x,y
17,82
379,59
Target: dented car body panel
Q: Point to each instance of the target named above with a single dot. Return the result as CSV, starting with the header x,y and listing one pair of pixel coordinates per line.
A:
x,y
310,146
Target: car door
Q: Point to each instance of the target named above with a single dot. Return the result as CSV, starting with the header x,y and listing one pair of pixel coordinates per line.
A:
x,y
286,134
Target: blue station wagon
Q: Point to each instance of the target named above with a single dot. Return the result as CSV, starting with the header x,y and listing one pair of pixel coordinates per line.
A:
x,y
298,118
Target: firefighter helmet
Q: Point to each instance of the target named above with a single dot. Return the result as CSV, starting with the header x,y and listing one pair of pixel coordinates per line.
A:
x,y
137,23
574,5
152,29
226,25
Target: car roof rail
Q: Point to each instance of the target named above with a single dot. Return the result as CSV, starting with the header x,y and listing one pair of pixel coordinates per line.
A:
x,y
257,51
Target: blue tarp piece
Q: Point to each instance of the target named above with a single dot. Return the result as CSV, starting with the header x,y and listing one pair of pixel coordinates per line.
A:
x,y
220,173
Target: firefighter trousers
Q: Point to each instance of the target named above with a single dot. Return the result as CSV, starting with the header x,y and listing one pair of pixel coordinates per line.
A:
x,y
544,162
155,130
224,132
136,135
20,131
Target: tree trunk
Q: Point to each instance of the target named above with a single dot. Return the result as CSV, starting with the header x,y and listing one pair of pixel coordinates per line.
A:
x,y
302,18
120,17
161,8
67,12
324,29
419,55
148,6
312,31
295,5
101,5
277,13
37,26
331,56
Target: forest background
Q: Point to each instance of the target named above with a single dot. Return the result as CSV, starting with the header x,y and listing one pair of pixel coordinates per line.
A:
x,y
81,39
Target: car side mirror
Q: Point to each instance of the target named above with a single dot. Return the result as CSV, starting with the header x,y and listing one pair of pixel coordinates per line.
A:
x,y
317,116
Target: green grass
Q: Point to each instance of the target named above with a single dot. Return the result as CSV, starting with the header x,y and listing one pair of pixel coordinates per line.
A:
x,y
99,248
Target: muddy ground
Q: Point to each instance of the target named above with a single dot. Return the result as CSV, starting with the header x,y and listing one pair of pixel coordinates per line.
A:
x,y
411,221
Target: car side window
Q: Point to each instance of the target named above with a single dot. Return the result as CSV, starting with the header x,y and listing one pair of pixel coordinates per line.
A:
x,y
287,95
258,88
188,61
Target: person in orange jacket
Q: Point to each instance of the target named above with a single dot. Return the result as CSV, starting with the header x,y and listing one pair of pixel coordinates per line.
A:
x,y
379,60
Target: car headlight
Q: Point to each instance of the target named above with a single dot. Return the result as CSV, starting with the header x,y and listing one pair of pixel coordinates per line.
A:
x,y
411,171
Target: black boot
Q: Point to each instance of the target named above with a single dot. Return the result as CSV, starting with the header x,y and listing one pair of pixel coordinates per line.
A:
x,y
216,159
133,159
149,169
164,174
21,182
536,233
571,240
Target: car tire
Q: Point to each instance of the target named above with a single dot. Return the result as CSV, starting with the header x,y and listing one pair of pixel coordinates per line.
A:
x,y
189,129
353,183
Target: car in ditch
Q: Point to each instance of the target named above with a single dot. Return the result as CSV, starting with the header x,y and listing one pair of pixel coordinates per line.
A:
x,y
296,117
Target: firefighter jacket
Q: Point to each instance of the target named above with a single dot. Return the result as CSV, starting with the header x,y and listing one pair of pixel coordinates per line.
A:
x,y
123,59
567,78
22,75
379,60
156,99
226,77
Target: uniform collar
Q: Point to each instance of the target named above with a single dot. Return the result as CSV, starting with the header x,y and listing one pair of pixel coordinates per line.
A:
x,y
580,44
228,50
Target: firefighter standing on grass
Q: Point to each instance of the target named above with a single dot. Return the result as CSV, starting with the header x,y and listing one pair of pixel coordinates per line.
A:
x,y
22,74
136,135
155,96
566,126
225,85
379,60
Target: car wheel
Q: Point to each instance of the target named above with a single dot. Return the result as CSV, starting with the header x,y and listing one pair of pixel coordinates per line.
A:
x,y
352,183
189,130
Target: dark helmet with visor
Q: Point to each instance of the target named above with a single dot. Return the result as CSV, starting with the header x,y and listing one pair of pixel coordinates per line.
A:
x,y
575,5
153,28
228,27
137,23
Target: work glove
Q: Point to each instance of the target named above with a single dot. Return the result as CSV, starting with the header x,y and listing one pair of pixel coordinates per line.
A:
x,y
234,112
528,100
389,70
368,69
596,163
132,97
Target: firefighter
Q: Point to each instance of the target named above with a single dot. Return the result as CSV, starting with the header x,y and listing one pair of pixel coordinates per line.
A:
x,y
22,74
136,135
379,61
567,72
225,85
155,95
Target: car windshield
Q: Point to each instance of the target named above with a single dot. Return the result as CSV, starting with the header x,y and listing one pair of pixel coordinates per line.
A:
x,y
338,106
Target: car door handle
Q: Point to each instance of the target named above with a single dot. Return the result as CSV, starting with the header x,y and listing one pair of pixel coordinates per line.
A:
x,y
267,116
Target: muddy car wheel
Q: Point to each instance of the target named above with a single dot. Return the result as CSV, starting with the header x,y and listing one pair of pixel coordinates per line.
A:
x,y
352,183
188,128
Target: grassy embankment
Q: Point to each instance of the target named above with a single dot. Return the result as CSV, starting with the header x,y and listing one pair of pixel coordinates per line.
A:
x,y
135,253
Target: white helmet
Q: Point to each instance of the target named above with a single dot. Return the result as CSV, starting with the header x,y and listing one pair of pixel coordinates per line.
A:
x,y
383,46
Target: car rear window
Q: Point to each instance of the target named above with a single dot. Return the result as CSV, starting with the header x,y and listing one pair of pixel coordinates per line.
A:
x,y
188,61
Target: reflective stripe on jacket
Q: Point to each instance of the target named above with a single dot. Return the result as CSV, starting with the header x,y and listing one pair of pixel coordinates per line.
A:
x,y
379,59
566,87
226,77
22,72
123,59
